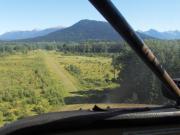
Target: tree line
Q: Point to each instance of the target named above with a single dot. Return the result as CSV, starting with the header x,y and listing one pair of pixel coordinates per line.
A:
x,y
138,83
72,47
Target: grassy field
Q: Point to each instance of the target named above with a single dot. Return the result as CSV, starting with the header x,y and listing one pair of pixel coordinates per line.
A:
x,y
41,81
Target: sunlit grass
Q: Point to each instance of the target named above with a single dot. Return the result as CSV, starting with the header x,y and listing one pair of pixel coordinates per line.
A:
x,y
39,81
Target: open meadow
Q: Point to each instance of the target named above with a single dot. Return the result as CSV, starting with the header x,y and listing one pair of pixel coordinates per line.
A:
x,y
43,81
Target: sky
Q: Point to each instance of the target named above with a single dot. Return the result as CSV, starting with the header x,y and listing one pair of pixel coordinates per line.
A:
x,y
162,15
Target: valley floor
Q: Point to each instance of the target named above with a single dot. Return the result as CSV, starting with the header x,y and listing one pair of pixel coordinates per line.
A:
x,y
42,81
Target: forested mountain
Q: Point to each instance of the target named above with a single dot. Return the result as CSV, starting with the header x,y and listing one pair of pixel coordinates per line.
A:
x,y
82,31
85,30
168,35
15,35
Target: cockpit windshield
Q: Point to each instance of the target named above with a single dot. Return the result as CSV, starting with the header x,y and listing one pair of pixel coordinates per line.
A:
x,y
63,55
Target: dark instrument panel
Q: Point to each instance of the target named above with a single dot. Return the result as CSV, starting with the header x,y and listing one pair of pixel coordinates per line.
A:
x,y
128,131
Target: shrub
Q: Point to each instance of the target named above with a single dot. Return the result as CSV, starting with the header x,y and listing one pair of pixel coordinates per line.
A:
x,y
73,69
54,96
41,107
1,117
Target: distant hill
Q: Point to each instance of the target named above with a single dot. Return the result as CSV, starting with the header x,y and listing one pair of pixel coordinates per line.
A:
x,y
16,35
167,35
84,30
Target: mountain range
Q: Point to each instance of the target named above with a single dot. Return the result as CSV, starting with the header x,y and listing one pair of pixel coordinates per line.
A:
x,y
84,30
166,35
16,35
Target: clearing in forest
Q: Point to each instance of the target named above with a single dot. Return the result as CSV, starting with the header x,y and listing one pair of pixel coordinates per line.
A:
x,y
42,81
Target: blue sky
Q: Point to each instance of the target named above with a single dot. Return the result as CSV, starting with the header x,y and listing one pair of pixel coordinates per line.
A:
x,y
32,14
